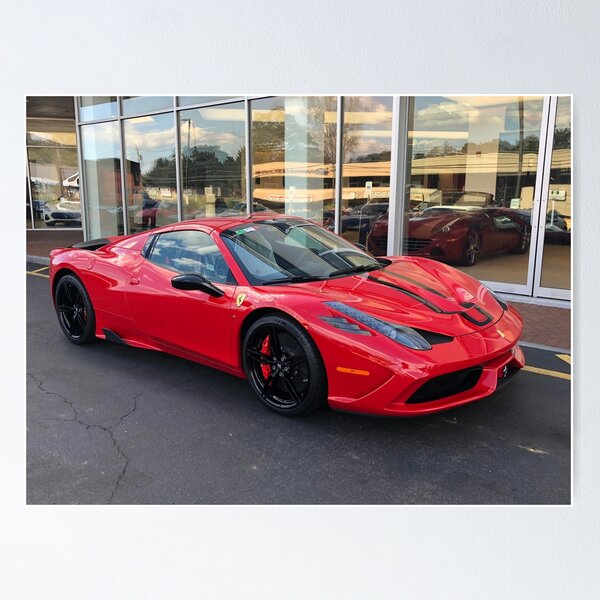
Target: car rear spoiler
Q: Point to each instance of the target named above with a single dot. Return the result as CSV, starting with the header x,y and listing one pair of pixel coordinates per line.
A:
x,y
92,244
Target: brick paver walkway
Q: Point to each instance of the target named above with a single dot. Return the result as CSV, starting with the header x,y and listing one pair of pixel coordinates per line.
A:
x,y
546,325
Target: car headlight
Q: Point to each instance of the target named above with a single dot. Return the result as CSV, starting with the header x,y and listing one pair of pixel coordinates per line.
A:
x,y
497,298
399,333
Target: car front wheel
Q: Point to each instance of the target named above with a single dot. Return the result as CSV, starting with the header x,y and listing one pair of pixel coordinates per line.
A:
x,y
284,366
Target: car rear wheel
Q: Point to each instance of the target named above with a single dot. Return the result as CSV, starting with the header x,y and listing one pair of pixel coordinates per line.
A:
x,y
284,366
472,248
74,310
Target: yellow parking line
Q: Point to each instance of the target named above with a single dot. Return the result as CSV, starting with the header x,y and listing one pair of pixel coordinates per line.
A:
x,y
547,372
38,274
565,357
38,270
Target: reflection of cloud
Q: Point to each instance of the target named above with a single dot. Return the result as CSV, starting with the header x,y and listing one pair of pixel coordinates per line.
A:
x,y
157,143
369,146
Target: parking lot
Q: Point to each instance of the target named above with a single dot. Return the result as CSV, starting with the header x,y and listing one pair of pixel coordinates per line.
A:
x,y
112,424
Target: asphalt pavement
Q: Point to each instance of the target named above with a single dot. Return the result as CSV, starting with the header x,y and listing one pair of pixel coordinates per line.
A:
x,y
113,424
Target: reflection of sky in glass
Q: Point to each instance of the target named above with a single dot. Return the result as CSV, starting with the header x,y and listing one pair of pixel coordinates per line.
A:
x,y
135,105
100,141
368,121
221,126
150,138
476,119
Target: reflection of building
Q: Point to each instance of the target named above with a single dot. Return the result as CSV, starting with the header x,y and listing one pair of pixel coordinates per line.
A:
x,y
356,164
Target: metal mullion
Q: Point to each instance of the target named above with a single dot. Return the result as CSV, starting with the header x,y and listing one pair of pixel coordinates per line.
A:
x,y
82,202
209,104
398,175
339,157
124,177
247,131
178,157
538,289
542,173
29,186
162,111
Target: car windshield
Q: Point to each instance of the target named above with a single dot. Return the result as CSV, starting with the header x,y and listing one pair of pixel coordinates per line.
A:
x,y
287,251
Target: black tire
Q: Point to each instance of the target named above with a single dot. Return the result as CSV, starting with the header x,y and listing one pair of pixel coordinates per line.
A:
x,y
283,365
472,248
523,246
74,310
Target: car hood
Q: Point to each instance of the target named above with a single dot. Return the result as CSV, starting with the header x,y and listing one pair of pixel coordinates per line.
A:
x,y
415,292
418,226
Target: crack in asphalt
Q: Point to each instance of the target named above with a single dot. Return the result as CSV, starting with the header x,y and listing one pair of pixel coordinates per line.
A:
x,y
88,426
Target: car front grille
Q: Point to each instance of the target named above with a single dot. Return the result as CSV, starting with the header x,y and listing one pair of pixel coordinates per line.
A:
x,y
414,244
446,385
379,241
65,215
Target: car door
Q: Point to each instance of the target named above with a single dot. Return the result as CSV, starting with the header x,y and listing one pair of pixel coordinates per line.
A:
x,y
189,321
507,232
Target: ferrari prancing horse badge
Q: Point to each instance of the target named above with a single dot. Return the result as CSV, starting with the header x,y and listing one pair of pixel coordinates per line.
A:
x,y
240,299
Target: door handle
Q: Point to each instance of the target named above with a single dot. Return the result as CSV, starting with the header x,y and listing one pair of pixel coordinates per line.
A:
x,y
133,281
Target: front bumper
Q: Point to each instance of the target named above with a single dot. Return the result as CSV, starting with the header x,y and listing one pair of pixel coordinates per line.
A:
x,y
488,359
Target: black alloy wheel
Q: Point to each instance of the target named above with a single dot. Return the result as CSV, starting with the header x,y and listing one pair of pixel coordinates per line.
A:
x,y
74,310
472,248
283,366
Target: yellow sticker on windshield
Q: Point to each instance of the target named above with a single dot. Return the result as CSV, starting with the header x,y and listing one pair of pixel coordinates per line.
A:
x,y
240,299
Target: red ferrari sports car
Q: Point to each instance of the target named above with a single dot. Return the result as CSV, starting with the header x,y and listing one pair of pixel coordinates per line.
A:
x,y
458,234
305,316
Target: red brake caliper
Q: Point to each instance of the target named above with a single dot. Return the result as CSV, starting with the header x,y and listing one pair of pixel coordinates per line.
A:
x,y
266,351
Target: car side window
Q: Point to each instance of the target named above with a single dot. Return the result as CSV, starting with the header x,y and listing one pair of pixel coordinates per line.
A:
x,y
504,222
191,251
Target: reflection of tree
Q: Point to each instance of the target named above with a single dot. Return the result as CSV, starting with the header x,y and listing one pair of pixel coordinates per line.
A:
x,y
271,140
562,138
384,156
162,173
446,150
202,166
324,133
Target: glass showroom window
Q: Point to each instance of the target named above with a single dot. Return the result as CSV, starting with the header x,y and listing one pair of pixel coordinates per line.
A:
x,y
151,182
473,167
366,155
136,105
94,108
53,173
213,160
556,262
293,156
100,149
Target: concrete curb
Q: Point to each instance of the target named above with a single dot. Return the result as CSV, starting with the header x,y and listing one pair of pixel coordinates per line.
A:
x,y
38,260
543,347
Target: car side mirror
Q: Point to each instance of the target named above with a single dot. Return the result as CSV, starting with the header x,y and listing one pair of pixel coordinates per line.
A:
x,y
195,281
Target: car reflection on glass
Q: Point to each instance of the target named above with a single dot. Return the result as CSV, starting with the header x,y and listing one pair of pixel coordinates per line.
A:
x,y
457,234
63,212
557,230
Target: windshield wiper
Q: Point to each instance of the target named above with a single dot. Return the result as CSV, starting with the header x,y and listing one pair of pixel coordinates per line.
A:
x,y
357,269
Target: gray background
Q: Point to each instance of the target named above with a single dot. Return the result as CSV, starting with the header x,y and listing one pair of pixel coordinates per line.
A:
x,y
331,47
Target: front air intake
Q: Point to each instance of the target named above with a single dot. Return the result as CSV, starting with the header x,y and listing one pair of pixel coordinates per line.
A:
x,y
446,385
